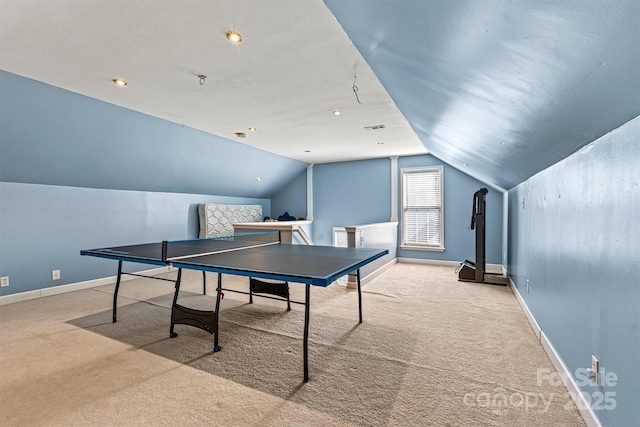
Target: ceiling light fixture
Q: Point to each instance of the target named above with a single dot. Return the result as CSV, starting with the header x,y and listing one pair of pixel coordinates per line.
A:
x,y
241,134
258,179
120,82
234,37
252,129
336,112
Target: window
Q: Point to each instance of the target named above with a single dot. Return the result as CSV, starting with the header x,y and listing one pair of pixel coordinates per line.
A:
x,y
422,218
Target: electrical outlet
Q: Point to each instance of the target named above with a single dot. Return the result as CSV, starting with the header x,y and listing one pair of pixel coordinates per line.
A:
x,y
595,368
4,281
55,274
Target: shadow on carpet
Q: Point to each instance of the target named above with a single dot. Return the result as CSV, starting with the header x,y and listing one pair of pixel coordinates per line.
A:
x,y
356,370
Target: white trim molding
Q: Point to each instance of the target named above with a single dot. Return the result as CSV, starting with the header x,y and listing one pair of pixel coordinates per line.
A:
x,y
394,189
372,275
310,192
71,287
576,394
492,267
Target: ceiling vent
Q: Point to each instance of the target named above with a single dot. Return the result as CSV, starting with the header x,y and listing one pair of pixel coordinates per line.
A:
x,y
376,127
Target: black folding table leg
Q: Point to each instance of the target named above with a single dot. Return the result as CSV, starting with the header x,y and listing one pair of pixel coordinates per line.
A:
x,y
216,316
175,301
305,348
115,293
359,295
204,282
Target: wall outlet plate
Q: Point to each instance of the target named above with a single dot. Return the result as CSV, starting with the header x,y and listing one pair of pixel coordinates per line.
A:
x,y
595,367
55,275
4,281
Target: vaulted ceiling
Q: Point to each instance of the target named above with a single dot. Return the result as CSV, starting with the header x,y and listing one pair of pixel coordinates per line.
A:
x,y
499,89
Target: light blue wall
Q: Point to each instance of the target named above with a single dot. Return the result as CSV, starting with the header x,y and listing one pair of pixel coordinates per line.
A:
x,y
52,136
44,227
292,198
357,193
577,241
349,193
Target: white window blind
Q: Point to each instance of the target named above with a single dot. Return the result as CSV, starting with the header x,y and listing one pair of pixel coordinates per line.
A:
x,y
340,237
422,218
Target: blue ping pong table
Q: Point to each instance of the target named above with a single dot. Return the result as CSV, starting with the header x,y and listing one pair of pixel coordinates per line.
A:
x,y
256,255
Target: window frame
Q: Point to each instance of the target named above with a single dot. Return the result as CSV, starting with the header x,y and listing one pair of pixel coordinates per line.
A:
x,y
404,172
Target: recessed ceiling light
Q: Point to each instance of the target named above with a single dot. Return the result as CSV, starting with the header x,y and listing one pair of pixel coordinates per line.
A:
x,y
120,82
234,37
466,164
241,134
252,129
258,179
380,143
307,151
336,112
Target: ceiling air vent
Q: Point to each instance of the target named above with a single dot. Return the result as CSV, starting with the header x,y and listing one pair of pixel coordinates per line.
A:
x,y
376,127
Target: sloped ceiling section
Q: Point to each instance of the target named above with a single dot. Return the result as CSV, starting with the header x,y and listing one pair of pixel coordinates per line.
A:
x,y
53,136
502,89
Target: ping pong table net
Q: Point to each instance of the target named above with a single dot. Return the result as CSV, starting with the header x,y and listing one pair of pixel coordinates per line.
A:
x,y
182,249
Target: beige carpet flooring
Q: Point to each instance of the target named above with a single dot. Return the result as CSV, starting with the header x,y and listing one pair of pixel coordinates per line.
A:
x,y
432,351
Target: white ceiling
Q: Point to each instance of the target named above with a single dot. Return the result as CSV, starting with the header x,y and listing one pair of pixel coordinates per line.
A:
x,y
294,67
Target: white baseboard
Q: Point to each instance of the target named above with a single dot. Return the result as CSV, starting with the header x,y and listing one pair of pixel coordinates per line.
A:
x,y
490,267
583,407
55,290
532,321
428,261
372,275
379,271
